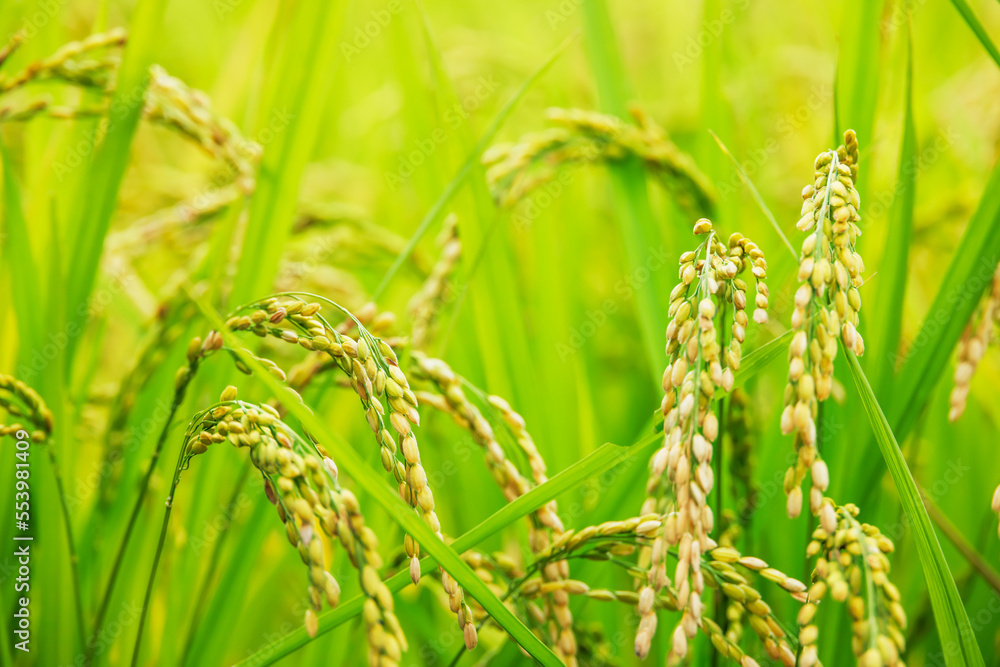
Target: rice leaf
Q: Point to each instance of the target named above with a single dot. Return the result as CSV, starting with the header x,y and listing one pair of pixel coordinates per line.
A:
x,y
436,211
99,196
858,68
884,331
19,260
638,226
965,280
298,92
953,625
972,20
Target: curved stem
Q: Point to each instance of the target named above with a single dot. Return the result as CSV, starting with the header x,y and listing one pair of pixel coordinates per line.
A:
x,y
133,518
74,558
213,562
719,454
159,551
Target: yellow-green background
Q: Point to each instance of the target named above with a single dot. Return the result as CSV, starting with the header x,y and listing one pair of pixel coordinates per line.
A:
x,y
767,80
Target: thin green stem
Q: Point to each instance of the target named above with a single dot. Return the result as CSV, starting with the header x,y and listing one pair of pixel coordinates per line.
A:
x,y
159,552
213,562
74,558
136,509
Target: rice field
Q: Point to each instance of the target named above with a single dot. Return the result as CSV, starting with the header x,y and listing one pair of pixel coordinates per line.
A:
x,y
560,333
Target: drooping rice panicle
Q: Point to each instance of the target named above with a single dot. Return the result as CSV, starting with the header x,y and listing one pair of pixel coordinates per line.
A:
x,y
302,482
725,569
375,376
25,404
696,366
167,101
453,400
69,63
583,137
851,567
826,309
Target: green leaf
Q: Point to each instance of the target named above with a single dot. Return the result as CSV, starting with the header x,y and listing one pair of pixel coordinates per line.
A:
x,y
297,94
99,194
434,214
954,629
371,483
761,204
972,20
638,226
760,358
884,331
858,68
965,280
19,260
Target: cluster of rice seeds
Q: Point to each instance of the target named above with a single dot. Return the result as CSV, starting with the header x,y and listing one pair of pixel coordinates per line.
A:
x,y
582,137
24,403
746,601
375,375
826,308
171,102
696,367
723,564
852,568
376,322
69,63
976,338
453,400
167,101
515,422
310,502
434,293
736,612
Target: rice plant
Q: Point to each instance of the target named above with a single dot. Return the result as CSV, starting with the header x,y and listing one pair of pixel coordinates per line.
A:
x,y
512,317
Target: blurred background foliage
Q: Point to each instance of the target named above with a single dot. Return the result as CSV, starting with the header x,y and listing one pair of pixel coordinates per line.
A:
x,y
365,117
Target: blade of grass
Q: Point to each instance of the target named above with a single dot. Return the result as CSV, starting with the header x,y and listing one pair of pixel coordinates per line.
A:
x,y
30,308
965,280
299,88
755,194
601,460
434,214
98,197
961,543
498,305
884,331
858,69
352,463
957,637
637,224
972,20
19,260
